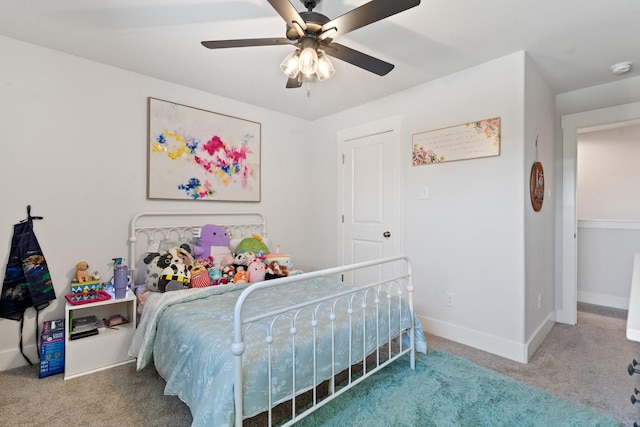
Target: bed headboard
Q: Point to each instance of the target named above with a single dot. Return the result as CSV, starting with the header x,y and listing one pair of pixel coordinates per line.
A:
x,y
149,228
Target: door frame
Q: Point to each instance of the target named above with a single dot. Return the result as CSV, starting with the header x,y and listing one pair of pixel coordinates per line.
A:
x,y
394,126
566,306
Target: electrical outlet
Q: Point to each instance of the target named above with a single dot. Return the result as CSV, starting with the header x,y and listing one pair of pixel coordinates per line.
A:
x,y
450,299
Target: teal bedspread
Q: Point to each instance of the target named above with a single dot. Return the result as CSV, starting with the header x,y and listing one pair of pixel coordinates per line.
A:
x,y
188,335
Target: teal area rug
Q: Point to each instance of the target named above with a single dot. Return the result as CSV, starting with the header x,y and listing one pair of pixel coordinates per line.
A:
x,y
446,390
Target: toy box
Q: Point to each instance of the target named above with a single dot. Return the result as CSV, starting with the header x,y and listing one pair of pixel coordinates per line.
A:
x,y
52,348
85,287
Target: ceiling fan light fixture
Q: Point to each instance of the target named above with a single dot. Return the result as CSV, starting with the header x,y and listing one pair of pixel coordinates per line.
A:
x,y
310,32
291,64
311,78
308,61
325,68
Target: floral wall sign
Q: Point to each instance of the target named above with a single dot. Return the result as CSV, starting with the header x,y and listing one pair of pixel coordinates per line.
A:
x,y
200,155
467,141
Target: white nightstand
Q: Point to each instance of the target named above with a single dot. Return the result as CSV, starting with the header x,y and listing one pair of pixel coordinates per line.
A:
x,y
107,349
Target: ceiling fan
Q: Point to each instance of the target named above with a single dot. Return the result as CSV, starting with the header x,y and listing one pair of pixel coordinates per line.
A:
x,y
312,34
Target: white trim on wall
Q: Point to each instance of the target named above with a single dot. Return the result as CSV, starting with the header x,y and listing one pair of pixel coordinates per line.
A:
x,y
520,352
607,224
603,299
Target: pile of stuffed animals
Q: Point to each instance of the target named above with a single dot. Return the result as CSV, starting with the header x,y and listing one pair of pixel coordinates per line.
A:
x,y
212,263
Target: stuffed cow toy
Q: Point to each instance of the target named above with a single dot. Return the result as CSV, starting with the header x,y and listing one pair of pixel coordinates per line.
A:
x,y
170,270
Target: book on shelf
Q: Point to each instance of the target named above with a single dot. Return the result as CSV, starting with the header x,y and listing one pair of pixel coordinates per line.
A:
x,y
83,334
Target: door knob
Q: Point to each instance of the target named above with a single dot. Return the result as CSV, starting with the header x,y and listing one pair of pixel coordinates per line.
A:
x,y
386,234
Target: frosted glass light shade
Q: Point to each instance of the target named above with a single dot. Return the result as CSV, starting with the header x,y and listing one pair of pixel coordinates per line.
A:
x,y
325,68
308,61
291,65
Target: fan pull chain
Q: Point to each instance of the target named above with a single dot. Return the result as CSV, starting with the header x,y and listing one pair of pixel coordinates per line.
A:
x,y
308,90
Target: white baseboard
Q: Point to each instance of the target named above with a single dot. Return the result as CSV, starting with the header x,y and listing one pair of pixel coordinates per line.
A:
x,y
519,352
539,335
476,339
10,359
603,299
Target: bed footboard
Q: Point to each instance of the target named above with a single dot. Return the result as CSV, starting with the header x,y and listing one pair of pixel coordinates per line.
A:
x,y
356,332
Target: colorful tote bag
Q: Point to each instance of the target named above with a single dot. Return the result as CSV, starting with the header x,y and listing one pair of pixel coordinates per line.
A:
x,y
27,281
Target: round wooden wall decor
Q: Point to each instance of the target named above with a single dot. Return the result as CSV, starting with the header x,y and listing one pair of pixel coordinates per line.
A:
x,y
536,186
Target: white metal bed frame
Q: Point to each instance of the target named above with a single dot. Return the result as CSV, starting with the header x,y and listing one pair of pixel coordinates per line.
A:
x,y
355,298
246,224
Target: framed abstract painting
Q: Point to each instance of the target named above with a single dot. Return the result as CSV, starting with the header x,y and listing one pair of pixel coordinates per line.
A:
x,y
194,154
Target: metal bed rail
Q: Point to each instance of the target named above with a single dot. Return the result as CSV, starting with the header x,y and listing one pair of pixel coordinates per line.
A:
x,y
382,294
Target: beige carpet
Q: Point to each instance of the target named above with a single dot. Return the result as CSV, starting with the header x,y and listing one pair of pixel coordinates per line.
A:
x,y
585,363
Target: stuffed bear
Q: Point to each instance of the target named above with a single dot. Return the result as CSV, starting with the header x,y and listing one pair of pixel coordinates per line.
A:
x,y
283,260
169,271
276,270
214,241
82,273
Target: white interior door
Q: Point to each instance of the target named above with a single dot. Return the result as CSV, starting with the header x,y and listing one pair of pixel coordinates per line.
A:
x,y
371,197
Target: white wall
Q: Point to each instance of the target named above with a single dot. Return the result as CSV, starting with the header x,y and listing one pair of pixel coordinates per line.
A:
x,y
606,251
608,176
468,237
539,226
624,91
74,147
84,126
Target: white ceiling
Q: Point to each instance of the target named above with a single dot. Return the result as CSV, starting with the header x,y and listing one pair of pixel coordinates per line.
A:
x,y
573,42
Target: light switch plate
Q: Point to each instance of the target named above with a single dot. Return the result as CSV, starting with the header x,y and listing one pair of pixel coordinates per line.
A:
x,y
424,193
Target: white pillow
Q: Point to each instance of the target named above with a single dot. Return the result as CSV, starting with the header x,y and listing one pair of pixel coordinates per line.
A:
x,y
166,244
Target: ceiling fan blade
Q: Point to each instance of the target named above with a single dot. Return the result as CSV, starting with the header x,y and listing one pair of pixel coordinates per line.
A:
x,y
357,58
221,44
288,13
293,83
366,14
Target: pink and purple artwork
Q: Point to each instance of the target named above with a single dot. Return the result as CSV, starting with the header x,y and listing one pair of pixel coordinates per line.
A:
x,y
196,154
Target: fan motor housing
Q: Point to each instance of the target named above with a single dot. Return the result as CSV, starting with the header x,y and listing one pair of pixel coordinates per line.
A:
x,y
314,22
